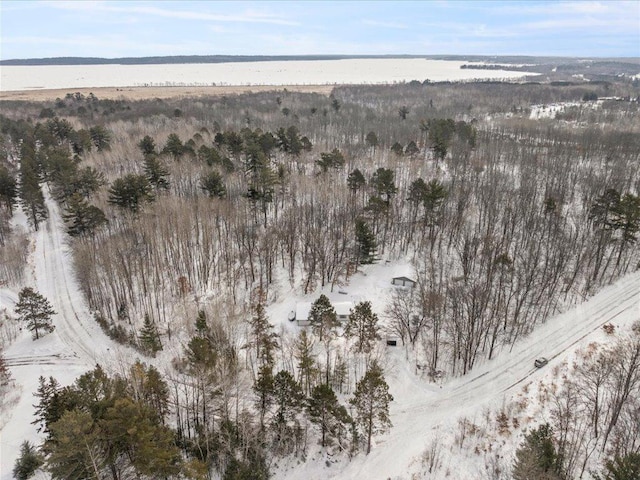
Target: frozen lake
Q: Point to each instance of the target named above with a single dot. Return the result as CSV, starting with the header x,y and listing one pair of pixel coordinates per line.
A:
x,y
316,72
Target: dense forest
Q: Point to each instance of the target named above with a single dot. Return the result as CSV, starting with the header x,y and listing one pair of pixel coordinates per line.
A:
x,y
189,217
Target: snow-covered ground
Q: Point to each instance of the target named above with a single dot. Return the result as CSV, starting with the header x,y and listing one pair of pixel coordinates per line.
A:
x,y
421,412
552,109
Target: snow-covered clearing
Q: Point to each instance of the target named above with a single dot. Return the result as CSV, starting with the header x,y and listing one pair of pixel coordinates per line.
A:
x,y
551,110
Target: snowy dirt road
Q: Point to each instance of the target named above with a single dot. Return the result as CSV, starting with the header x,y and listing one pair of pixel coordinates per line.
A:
x,y
54,272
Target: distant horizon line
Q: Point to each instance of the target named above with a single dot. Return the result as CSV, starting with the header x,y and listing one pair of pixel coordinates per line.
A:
x,y
177,59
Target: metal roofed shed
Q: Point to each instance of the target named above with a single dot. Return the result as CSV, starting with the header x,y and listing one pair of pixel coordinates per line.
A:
x,y
403,282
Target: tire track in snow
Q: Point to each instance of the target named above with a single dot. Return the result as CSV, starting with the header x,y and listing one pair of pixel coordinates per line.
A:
x,y
55,359
73,322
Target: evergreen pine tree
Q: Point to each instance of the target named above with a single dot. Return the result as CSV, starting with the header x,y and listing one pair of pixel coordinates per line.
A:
x,y
371,402
372,140
86,181
101,137
36,311
306,361
434,195
340,373
174,147
383,181
74,450
325,411
324,324
363,326
365,242
5,376
46,411
212,184
149,337
201,324
155,393
156,173
356,180
411,149
625,467
129,429
288,397
263,387
147,145
323,318
417,191
263,338
333,159
82,218
27,463
130,192
536,458
8,189
253,467
200,354
261,179
31,197
397,149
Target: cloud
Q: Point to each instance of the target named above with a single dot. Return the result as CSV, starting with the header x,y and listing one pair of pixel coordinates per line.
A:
x,y
565,8
383,24
249,16
580,23
107,46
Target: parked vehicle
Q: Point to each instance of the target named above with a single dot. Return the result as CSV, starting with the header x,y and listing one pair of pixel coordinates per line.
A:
x,y
540,362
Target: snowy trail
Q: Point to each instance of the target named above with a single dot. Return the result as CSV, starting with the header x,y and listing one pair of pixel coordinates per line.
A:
x,y
76,345
56,281
419,410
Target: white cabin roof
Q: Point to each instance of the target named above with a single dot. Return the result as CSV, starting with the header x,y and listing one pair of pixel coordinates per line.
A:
x,y
343,308
303,309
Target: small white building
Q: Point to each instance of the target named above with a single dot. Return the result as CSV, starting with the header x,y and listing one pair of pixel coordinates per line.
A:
x,y
403,282
343,310
302,314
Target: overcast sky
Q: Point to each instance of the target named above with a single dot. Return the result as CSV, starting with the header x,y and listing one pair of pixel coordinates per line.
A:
x,y
35,29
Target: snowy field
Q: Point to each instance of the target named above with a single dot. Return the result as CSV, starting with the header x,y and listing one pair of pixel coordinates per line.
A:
x,y
318,72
